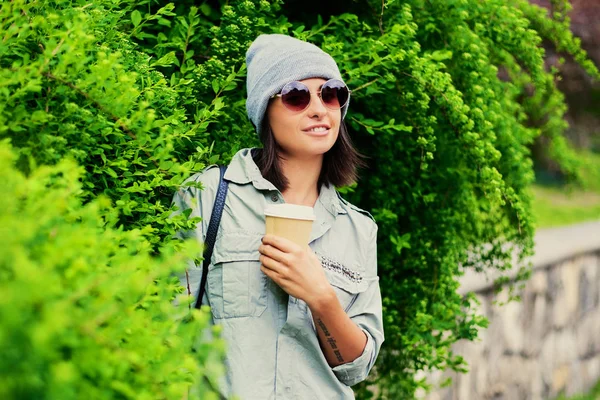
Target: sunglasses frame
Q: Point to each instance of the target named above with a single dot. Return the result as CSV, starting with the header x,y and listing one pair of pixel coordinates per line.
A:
x,y
318,94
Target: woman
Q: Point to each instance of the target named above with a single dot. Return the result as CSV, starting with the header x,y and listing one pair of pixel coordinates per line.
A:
x,y
300,323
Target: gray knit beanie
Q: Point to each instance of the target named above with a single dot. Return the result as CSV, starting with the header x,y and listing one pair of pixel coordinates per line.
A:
x,y
274,60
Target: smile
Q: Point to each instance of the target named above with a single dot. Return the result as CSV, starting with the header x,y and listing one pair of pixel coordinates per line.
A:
x,y
317,132
320,130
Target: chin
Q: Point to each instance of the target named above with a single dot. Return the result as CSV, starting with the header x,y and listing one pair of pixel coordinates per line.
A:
x,y
318,147
310,150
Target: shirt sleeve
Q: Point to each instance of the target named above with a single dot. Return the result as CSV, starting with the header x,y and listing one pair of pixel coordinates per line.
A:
x,y
366,312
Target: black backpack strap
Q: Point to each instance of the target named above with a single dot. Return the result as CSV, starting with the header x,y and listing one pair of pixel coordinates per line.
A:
x,y
211,233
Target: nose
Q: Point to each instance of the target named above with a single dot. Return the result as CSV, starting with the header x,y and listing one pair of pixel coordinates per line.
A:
x,y
316,108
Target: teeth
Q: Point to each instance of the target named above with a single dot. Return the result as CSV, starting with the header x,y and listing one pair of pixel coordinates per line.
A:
x,y
319,129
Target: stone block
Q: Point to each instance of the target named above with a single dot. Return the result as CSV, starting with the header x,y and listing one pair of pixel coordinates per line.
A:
x,y
512,327
518,371
571,275
575,383
547,358
565,347
587,334
536,389
590,372
536,324
465,387
560,377
589,282
494,346
597,280
565,296
514,392
538,283
480,379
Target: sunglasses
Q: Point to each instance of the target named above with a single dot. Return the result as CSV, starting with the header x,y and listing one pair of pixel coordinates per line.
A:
x,y
296,96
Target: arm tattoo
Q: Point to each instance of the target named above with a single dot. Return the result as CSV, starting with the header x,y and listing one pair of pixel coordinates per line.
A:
x,y
323,327
332,343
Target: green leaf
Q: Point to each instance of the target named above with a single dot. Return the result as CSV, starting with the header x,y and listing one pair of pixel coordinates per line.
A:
x,y
229,87
205,8
168,59
299,29
136,18
218,103
164,22
111,172
441,55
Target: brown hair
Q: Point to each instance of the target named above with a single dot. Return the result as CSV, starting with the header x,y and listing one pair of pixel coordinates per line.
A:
x,y
339,163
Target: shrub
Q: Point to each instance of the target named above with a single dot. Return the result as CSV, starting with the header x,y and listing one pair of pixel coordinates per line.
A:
x,y
85,308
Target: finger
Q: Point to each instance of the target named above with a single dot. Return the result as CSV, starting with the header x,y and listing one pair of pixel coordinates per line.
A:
x,y
270,273
272,265
274,253
283,244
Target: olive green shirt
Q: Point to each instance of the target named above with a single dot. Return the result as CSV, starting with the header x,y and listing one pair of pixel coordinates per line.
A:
x,y
273,350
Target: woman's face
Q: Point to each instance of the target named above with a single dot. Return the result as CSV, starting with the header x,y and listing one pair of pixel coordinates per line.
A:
x,y
294,130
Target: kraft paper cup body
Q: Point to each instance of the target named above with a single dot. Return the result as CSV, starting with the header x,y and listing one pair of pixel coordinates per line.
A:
x,y
290,221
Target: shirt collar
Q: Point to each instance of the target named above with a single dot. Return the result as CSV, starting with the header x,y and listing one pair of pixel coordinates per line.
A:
x,y
243,170
331,201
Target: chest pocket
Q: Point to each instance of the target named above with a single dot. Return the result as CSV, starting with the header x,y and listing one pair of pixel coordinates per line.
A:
x,y
347,282
236,285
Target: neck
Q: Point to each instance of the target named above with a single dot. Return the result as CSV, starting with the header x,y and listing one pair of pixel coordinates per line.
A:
x,y
303,177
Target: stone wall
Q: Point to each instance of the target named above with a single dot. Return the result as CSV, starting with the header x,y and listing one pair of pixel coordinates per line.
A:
x,y
549,342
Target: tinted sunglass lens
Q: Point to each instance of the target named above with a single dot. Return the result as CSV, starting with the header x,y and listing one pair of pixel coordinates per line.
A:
x,y
330,97
334,94
295,96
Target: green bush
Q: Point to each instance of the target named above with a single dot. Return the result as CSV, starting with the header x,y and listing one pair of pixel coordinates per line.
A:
x,y
447,98
85,308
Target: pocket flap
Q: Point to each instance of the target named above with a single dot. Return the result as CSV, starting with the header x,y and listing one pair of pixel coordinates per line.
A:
x,y
237,246
348,279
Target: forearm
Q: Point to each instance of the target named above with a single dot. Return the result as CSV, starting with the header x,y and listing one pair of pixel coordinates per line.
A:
x,y
341,340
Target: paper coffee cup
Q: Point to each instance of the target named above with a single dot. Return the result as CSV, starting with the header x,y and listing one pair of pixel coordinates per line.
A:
x,y
290,221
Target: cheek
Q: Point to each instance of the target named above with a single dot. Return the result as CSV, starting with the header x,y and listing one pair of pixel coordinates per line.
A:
x,y
279,116
276,121
338,122
283,123
336,115
280,131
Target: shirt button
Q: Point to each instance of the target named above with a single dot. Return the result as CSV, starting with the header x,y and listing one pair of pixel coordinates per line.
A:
x,y
274,197
288,389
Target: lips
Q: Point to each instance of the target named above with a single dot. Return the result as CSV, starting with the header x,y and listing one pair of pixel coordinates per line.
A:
x,y
317,130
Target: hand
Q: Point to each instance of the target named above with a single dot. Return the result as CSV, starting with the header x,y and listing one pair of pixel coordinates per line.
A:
x,y
295,269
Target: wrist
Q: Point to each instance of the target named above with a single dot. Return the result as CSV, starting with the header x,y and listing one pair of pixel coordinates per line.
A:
x,y
324,299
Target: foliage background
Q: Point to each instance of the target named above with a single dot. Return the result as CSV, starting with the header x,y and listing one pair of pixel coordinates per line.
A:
x,y
84,306
448,97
